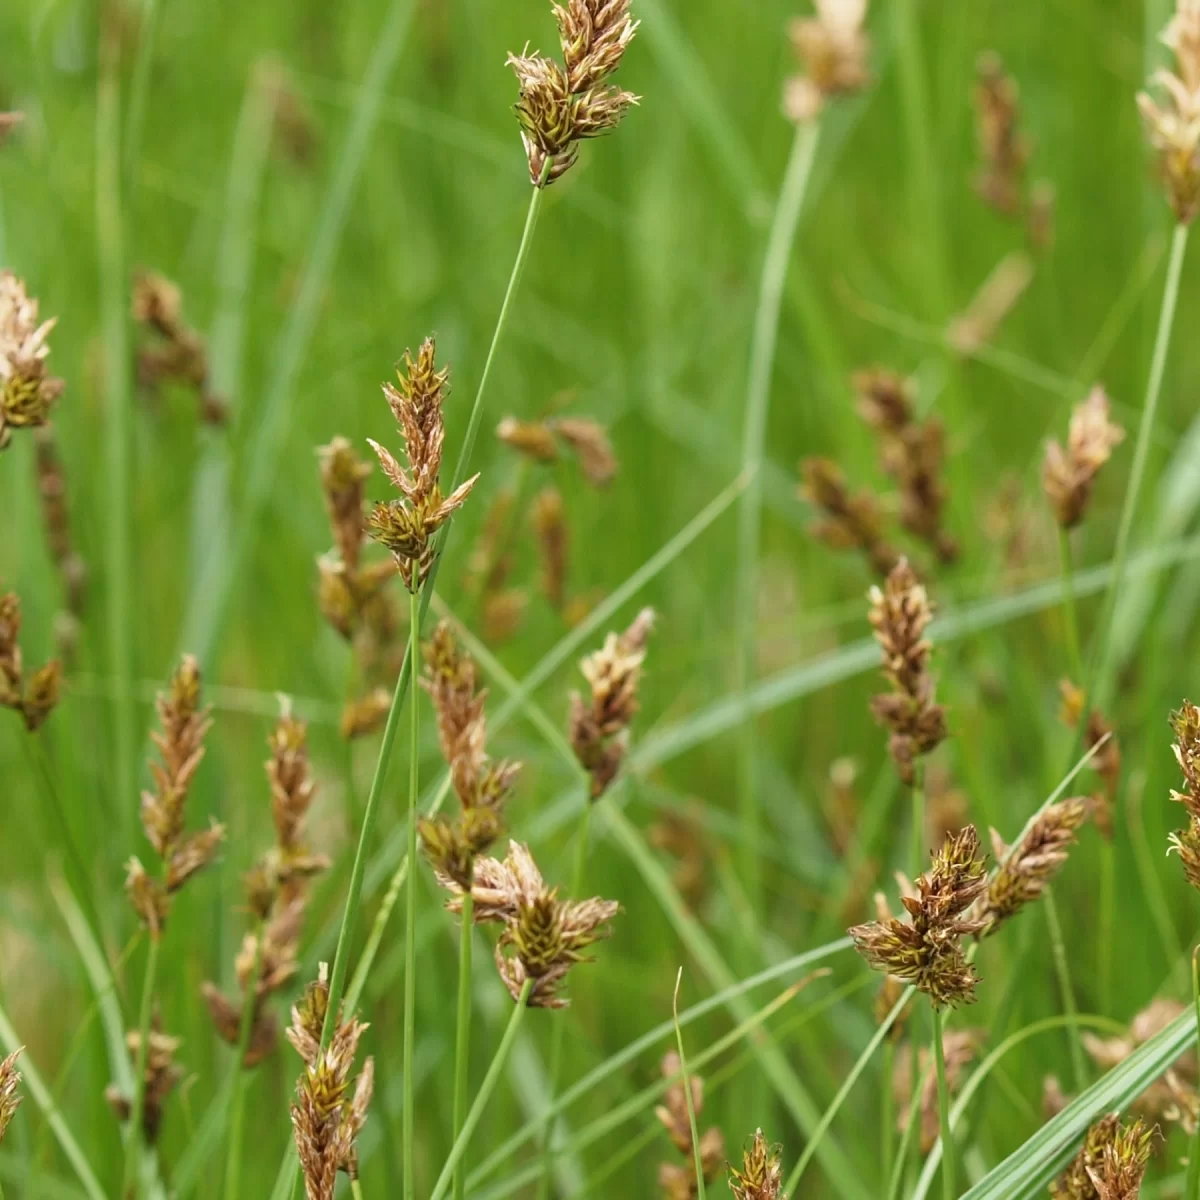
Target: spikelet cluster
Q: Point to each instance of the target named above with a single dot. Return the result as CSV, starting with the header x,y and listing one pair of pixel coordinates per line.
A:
x,y
678,1181
56,518
912,453
1024,871
1099,736
277,897
834,54
327,1116
10,1099
1186,724
1003,149
1173,127
407,526
545,442
162,1077
561,105
761,1177
553,539
180,744
926,949
900,614
1069,474
849,520
481,785
27,391
599,725
1110,1164
175,352
34,696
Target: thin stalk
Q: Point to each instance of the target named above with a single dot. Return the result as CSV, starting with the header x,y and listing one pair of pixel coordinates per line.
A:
x,y
1070,612
233,1155
133,1142
1108,913
462,1037
916,850
356,1189
943,1091
1062,970
686,1080
1192,1189
887,1115
908,1141
758,399
410,936
484,1094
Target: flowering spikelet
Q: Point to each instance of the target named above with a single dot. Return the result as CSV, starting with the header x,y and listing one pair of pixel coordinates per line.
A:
x,y
834,53
1068,475
589,441
959,1048
1186,724
850,520
543,936
181,746
52,491
1099,736
912,453
1023,872
161,1079
926,950
679,1182
407,526
560,106
26,390
178,353
900,613
1003,149
761,1177
553,542
599,730
970,331
326,1116
1173,128
1109,1165
534,439
35,697
10,1100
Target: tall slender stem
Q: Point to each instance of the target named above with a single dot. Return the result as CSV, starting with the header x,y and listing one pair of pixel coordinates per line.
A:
x,y
1070,612
133,1143
462,1037
948,1155
410,935
1192,1189
233,1154
484,1094
1059,951
887,1116
917,851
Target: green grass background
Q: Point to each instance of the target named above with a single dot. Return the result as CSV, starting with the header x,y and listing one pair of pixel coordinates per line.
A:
x,y
639,299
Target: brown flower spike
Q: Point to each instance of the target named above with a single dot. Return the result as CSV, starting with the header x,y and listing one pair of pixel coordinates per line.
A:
x,y
10,1100
678,1182
1003,149
1173,127
26,390
1068,475
834,53
163,1076
900,613
562,105
407,526
926,950
850,520
34,697
599,729
1110,1164
1186,724
1101,737
761,1177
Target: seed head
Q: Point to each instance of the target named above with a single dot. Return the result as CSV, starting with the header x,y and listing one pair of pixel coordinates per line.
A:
x,y
589,440
365,715
1186,724
834,53
1003,149
34,697
26,390
56,518
851,520
1068,475
761,1177
678,1182
1109,1165
534,439
1173,127
553,542
161,1079
599,729
10,1100
1100,737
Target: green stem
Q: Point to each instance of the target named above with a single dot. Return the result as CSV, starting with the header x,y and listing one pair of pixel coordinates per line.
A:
x,y
410,936
918,852
1062,970
233,1155
462,1038
356,1189
1070,612
484,1094
1192,1190
133,1142
908,1140
887,1114
686,1081
948,1154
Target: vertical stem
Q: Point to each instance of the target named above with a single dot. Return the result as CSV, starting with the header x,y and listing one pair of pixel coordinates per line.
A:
x,y
1108,910
1062,970
462,1040
233,1154
948,1155
697,1160
1070,613
133,1143
410,936
887,1116
1192,1189
485,1092
918,851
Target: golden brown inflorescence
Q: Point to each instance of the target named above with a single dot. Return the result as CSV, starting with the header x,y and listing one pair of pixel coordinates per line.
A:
x,y
678,1181
35,696
553,543
27,391
482,786
176,353
1173,127
599,726
834,52
1110,1164
900,613
562,105
10,1099
327,1116
543,441
1099,736
1024,871
56,518
181,746
162,1077
849,520
408,526
1068,475
1003,149
277,897
761,1177
1186,724
926,950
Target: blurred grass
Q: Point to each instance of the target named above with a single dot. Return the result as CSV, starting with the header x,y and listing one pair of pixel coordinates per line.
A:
x,y
639,299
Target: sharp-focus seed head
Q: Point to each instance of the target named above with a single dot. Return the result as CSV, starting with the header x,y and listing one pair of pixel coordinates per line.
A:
x,y
834,52
761,1176
10,1100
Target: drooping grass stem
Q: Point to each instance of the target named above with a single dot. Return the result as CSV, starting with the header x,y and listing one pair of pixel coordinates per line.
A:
x,y
943,1092
462,1036
410,923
